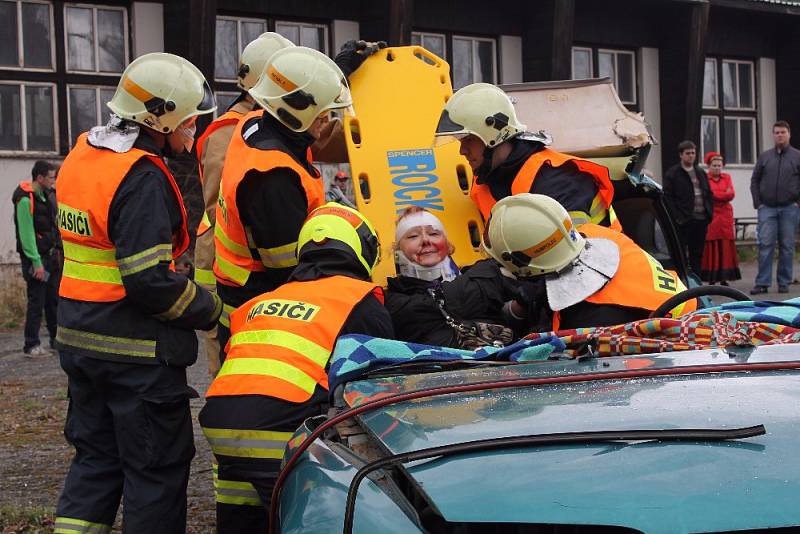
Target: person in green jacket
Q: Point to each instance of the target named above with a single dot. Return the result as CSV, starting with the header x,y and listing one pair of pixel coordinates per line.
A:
x,y
39,247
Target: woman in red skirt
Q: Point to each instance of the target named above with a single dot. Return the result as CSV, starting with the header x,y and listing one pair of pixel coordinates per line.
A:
x,y
720,261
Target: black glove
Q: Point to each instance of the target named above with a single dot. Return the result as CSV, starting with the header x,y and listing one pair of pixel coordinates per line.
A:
x,y
353,53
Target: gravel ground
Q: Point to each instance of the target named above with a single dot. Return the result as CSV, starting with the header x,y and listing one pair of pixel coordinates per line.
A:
x,y
33,453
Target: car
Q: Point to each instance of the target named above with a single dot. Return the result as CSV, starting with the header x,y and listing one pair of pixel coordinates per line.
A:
x,y
696,441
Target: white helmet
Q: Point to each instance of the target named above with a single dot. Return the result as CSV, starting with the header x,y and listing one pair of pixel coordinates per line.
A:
x,y
531,235
298,85
480,109
255,56
161,91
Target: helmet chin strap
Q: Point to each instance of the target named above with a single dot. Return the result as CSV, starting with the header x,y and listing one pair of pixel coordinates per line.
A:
x,y
486,166
445,270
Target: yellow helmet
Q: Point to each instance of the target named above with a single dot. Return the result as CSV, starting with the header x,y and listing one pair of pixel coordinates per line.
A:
x,y
480,109
161,91
334,226
255,56
531,235
298,85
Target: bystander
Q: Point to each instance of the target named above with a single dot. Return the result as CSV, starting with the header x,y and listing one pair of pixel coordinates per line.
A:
x,y
775,188
337,191
39,247
688,197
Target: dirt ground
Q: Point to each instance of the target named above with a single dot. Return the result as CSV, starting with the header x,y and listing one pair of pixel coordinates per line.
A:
x,y
34,455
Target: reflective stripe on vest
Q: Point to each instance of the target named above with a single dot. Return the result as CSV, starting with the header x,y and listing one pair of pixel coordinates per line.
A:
x,y
226,119
247,443
70,525
205,277
87,183
640,281
281,341
236,256
523,181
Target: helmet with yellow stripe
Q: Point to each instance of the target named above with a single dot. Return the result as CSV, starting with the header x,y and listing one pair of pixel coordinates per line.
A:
x,y
298,85
532,235
161,91
255,56
337,227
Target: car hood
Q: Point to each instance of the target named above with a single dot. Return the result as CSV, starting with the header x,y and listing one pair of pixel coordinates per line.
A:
x,y
650,486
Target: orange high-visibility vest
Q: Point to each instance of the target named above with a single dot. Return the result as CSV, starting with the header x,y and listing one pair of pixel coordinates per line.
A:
x,y
482,195
226,119
87,182
640,282
236,256
281,341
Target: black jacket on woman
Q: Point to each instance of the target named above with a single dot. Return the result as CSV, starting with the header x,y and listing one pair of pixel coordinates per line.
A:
x,y
478,294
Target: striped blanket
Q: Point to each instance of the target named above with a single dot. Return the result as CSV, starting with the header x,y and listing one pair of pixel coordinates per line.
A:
x,y
750,323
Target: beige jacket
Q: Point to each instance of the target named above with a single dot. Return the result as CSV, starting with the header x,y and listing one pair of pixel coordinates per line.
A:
x,y
213,158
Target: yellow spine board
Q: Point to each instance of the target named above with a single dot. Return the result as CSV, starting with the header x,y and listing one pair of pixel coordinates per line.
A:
x,y
398,97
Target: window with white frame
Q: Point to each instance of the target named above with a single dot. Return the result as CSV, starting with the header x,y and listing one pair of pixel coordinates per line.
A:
x,y
26,35
28,117
709,134
224,101
433,42
619,65
474,60
582,67
728,123
232,35
96,38
304,34
86,108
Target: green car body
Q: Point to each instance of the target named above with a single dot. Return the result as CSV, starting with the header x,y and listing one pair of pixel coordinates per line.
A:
x,y
606,485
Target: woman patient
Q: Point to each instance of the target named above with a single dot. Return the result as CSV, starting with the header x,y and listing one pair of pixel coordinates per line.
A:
x,y
427,273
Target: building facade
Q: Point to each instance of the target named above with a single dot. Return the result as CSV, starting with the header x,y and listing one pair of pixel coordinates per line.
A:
x,y
719,72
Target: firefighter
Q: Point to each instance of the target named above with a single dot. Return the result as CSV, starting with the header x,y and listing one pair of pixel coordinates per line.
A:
x,y
268,185
126,321
590,276
274,375
507,160
211,148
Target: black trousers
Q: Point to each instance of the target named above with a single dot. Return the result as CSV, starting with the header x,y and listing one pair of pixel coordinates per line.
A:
x,y
132,431
244,481
692,235
41,296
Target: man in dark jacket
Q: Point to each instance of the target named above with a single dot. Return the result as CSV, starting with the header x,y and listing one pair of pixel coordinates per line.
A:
x,y
688,197
38,245
775,187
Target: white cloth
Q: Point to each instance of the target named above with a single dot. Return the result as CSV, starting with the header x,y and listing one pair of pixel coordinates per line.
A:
x,y
419,218
118,135
597,263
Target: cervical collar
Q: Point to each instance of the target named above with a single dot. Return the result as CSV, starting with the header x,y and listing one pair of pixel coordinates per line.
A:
x,y
445,270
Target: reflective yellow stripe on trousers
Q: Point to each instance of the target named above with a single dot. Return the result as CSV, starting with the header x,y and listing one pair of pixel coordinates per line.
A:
x,y
247,443
235,492
70,525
